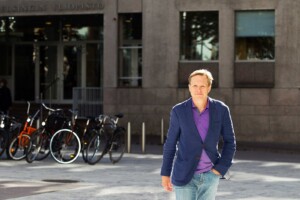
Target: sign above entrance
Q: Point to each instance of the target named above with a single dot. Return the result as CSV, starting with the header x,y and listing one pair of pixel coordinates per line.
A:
x,y
79,6
31,7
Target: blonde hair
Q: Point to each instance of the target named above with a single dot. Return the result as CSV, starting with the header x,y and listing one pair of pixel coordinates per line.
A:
x,y
202,72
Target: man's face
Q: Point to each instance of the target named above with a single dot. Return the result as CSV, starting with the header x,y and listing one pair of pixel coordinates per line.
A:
x,y
199,87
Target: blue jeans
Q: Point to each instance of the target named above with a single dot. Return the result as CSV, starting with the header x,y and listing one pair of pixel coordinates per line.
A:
x,y
202,187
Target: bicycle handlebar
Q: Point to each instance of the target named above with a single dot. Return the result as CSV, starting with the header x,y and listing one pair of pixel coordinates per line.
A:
x,y
47,108
103,118
51,109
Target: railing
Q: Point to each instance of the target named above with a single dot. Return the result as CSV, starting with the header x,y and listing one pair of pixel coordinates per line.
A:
x,y
88,101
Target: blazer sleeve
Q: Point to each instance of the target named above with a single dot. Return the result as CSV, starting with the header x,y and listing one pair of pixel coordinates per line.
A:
x,y
169,149
229,144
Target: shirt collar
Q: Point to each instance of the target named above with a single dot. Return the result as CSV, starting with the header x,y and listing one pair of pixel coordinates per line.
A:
x,y
207,105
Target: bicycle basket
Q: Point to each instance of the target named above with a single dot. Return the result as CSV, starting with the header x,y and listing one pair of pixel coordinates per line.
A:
x,y
54,122
109,126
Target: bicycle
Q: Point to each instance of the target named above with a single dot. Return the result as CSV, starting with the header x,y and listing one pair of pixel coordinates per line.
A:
x,y
40,139
3,133
67,143
3,141
85,135
9,127
19,144
109,138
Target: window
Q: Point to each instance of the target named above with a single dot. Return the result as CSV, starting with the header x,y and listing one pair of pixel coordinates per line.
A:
x,y
66,51
48,28
254,49
255,31
199,36
130,50
82,27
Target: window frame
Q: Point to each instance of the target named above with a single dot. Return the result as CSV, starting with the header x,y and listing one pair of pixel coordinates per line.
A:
x,y
134,45
254,73
253,53
184,56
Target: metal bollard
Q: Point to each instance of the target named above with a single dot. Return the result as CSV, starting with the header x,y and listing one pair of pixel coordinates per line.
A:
x,y
128,137
143,137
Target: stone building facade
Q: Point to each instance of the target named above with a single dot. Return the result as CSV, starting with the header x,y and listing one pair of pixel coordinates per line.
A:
x,y
263,94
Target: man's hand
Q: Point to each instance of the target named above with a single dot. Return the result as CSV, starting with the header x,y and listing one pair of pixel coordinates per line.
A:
x,y
215,172
166,183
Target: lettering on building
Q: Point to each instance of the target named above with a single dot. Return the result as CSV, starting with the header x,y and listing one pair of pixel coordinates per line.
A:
x,y
57,7
23,8
78,6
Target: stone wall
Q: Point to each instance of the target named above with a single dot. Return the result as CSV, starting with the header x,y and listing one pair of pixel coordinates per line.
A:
x,y
266,114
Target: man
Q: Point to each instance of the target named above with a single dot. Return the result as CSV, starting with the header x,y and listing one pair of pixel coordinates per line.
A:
x,y
191,161
5,97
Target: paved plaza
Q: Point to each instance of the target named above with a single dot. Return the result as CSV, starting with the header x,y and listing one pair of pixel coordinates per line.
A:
x,y
254,176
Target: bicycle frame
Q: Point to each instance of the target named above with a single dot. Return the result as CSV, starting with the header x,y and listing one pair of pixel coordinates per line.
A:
x,y
28,128
109,138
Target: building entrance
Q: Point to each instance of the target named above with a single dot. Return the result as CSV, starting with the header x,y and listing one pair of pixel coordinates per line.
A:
x,y
49,72
47,56
60,69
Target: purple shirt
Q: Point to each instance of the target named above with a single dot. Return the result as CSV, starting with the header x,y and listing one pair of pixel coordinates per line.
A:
x,y
202,123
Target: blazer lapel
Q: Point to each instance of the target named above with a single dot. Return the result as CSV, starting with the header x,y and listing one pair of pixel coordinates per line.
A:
x,y
212,116
190,118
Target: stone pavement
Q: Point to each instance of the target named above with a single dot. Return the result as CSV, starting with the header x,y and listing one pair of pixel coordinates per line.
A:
x,y
254,176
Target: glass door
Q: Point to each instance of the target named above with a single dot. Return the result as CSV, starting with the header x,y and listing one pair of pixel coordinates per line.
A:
x,y
72,69
24,73
48,73
60,68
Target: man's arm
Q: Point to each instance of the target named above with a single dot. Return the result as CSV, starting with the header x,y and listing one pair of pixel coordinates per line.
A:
x,y
170,145
229,146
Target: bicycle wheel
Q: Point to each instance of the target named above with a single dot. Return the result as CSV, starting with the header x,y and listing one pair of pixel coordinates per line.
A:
x,y
11,135
39,148
118,145
17,147
97,147
65,146
3,141
85,142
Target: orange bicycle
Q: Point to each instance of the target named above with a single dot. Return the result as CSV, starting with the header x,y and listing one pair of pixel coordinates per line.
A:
x,y
17,147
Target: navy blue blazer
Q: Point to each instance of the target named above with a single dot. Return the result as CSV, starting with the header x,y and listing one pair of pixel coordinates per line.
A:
x,y
183,146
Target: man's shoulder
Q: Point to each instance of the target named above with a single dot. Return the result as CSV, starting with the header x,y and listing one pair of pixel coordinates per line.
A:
x,y
182,104
217,103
